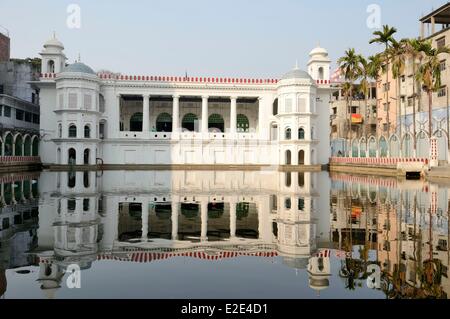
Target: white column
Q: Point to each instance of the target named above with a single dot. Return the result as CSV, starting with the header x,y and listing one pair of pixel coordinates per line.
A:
x,y
175,213
233,116
115,126
204,114
144,220
204,217
232,219
146,113
259,129
176,114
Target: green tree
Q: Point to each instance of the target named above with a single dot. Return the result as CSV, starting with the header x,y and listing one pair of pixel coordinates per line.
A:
x,y
385,37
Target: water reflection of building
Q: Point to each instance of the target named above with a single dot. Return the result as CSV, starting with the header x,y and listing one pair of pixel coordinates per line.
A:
x,y
410,220
149,215
18,222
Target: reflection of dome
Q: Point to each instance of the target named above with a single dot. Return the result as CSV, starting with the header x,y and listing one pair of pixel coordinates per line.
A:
x,y
319,283
296,73
297,263
78,67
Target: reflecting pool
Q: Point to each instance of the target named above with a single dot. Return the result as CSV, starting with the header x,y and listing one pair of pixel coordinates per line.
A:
x,y
222,234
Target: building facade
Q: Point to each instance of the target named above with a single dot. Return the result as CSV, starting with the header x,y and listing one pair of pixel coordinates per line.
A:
x,y
19,107
121,119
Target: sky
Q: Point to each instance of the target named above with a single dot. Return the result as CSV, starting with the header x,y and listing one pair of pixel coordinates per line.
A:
x,y
236,38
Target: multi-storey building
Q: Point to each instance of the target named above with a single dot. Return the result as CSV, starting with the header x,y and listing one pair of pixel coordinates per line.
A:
x,y
19,107
137,119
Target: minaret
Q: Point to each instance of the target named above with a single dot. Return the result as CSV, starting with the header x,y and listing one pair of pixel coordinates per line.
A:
x,y
53,57
319,64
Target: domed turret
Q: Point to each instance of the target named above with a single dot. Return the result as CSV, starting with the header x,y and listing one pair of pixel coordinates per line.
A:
x,y
78,67
53,57
319,65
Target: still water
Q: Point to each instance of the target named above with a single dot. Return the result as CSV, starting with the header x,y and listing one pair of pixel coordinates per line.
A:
x,y
214,234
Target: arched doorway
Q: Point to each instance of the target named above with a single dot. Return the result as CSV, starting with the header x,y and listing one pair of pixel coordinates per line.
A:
x,y
51,66
275,107
321,73
383,146
35,146
8,145
407,146
164,123
18,146
355,148
86,156
243,124
188,122
58,156
423,145
72,156
216,123
372,147
27,146
136,122
301,157
288,160
394,147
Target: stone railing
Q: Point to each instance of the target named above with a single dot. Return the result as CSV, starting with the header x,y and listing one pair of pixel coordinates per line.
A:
x,y
19,159
377,161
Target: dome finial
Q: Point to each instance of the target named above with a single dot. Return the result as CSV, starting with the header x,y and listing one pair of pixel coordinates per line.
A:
x,y
79,57
54,34
296,65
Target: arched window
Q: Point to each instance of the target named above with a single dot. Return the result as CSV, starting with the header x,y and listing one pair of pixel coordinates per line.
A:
x,y
312,133
72,156
86,156
102,129
287,134
59,130
274,132
288,157
301,179
136,122
188,122
275,107
301,133
18,146
301,157
72,130
242,123
1,146
288,180
320,73
287,203
164,123
216,123
71,179
87,131
51,66
86,179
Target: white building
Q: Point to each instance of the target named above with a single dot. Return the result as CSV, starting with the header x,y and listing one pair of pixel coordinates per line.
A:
x,y
139,119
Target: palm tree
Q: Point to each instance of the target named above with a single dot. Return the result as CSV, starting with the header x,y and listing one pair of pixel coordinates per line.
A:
x,y
364,87
349,64
429,75
385,37
414,50
374,68
397,52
